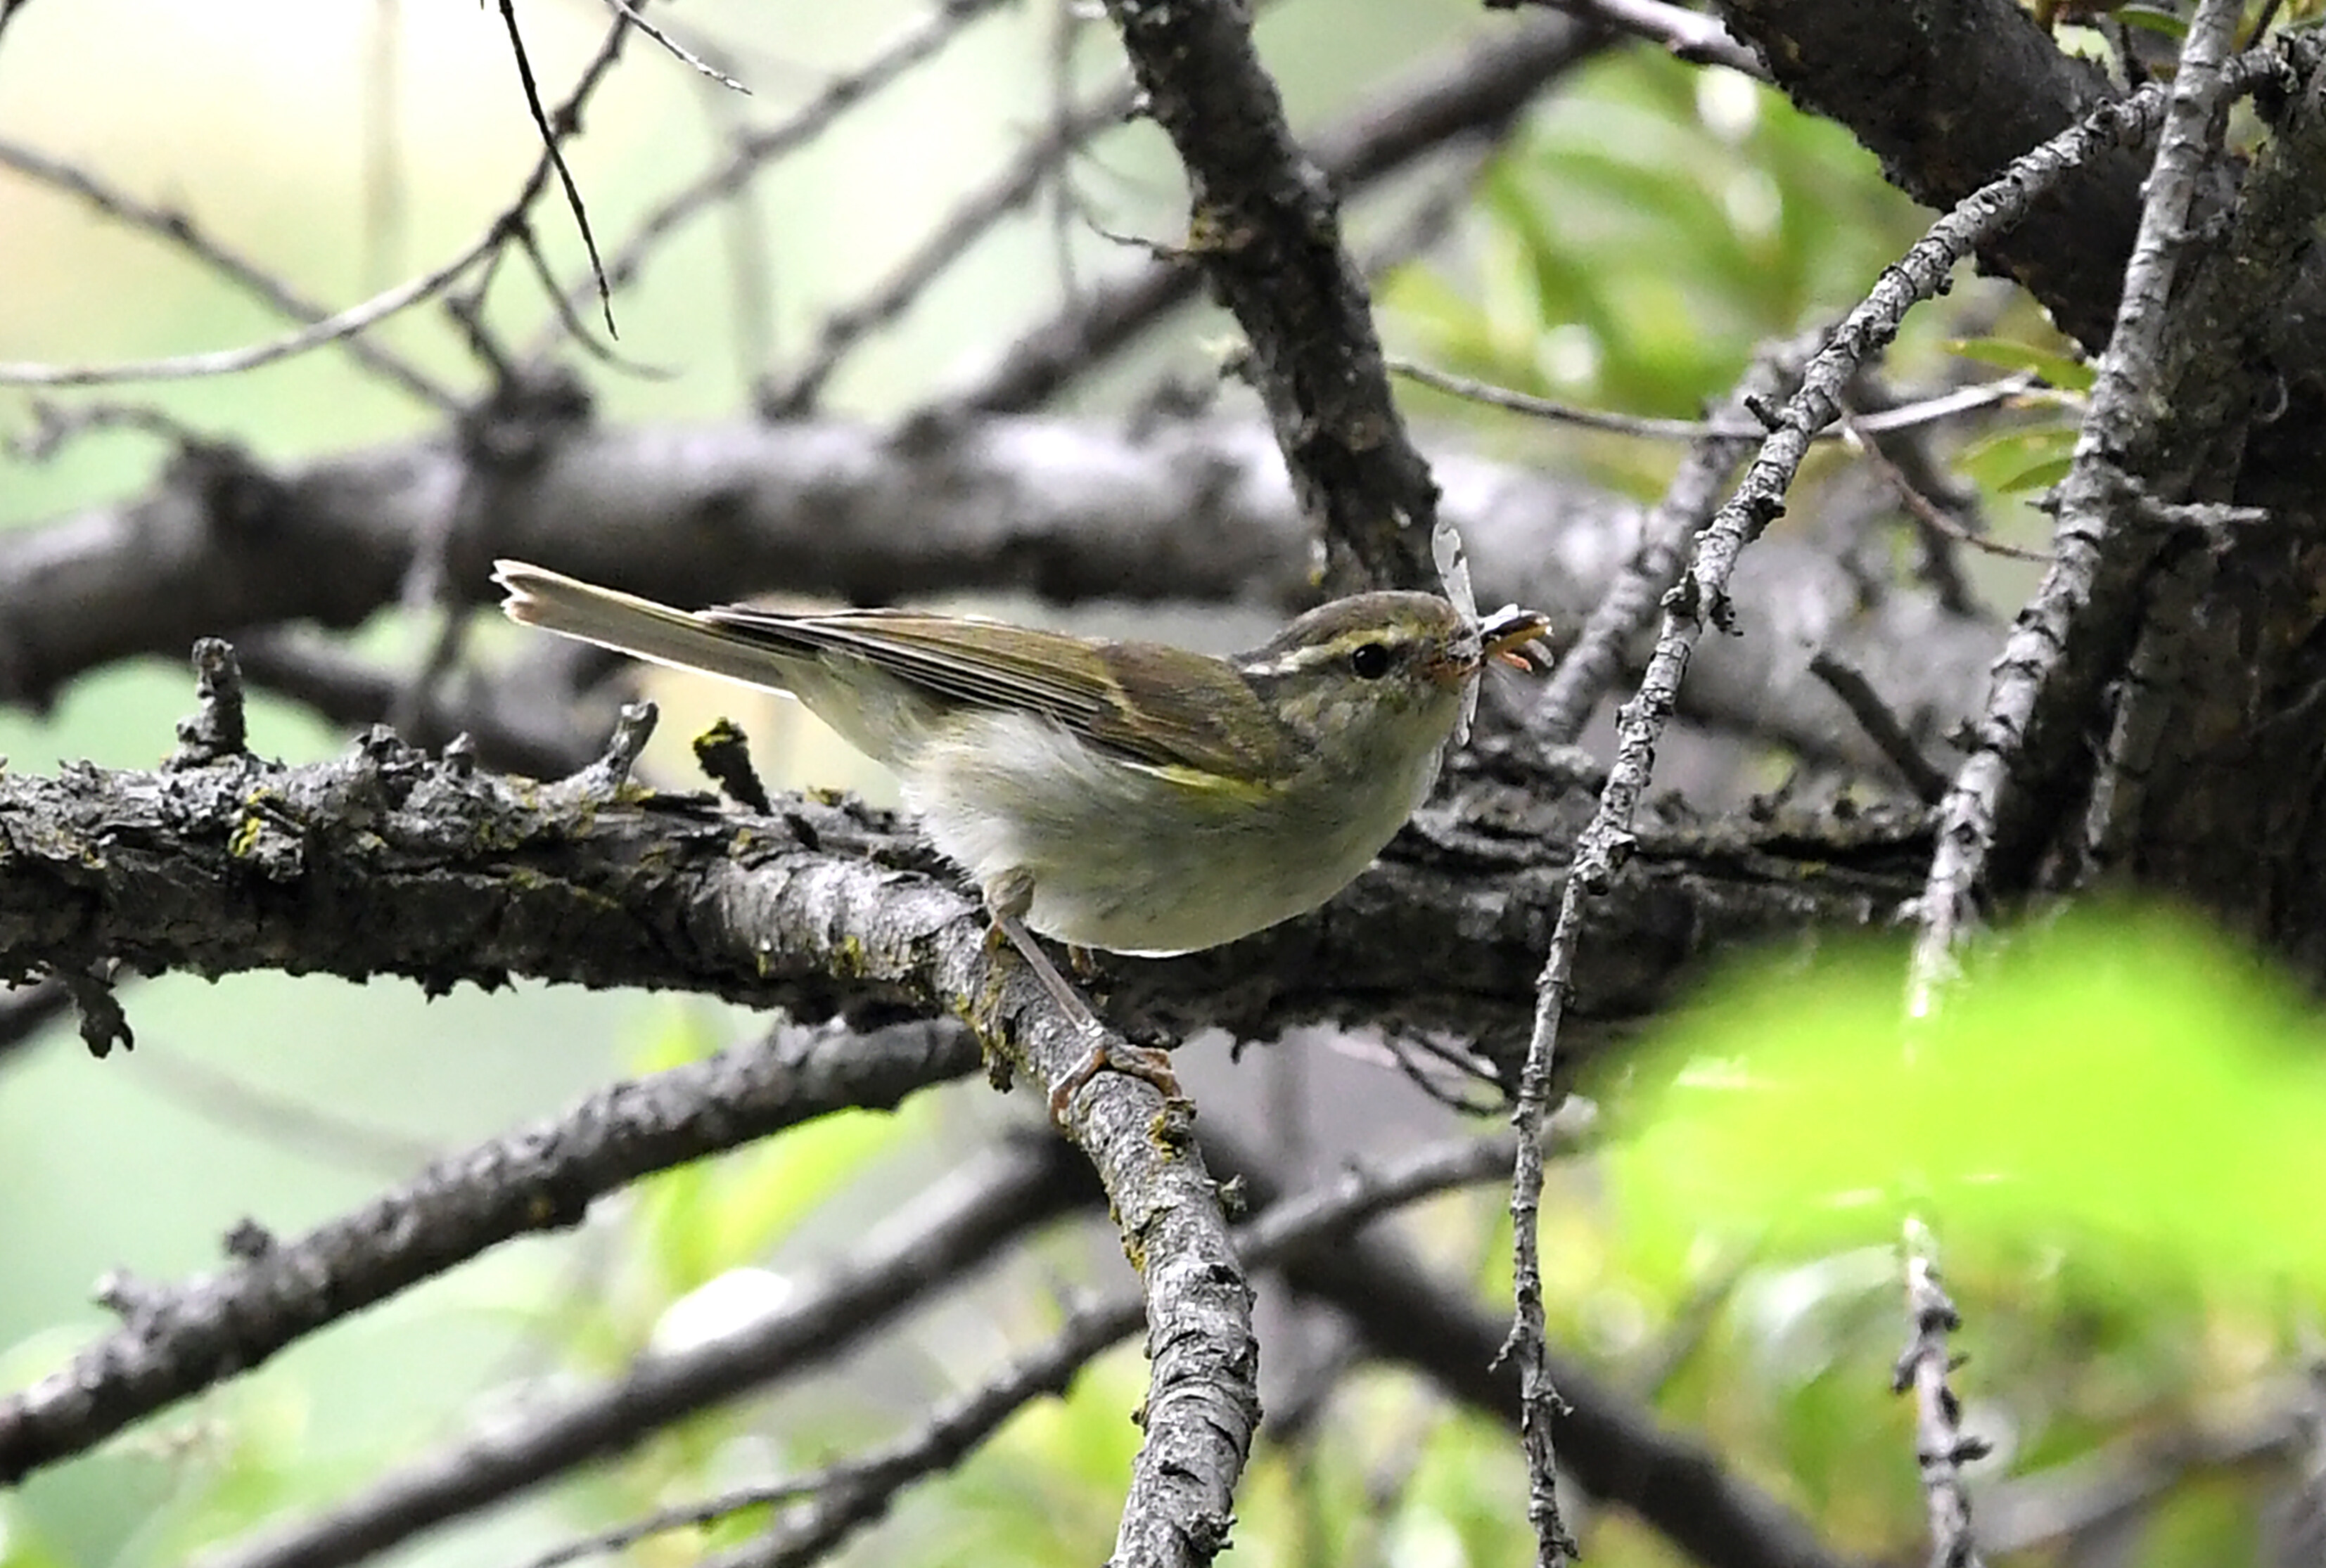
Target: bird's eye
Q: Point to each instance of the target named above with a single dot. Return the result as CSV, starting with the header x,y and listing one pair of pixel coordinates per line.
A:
x,y
1369,661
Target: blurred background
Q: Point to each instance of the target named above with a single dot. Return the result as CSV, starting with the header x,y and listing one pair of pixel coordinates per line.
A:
x,y
1628,245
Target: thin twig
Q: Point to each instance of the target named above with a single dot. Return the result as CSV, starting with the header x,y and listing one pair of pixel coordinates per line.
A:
x,y
677,51
556,155
1881,727
1011,187
179,229
753,152
1481,88
1905,416
253,1110
1590,668
1923,1370
1927,513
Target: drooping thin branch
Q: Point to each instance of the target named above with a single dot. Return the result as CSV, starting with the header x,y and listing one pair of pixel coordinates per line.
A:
x,y
551,135
676,50
179,229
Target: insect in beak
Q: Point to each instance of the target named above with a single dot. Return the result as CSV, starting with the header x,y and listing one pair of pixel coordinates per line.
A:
x,y
1503,636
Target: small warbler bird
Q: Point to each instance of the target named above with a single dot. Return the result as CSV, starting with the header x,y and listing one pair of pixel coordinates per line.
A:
x,y
1127,796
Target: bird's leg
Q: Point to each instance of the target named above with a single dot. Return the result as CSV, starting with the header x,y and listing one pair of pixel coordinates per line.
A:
x,y
1006,900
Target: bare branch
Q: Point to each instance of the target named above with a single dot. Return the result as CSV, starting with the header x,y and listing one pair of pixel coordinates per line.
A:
x,y
1881,724
1479,91
972,217
179,228
186,1337
1904,416
957,1226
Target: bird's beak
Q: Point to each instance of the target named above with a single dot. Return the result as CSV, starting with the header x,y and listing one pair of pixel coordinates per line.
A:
x,y
1500,637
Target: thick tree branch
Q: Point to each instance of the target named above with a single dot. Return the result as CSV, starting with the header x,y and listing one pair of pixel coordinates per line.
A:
x,y
704,514
1266,228
386,862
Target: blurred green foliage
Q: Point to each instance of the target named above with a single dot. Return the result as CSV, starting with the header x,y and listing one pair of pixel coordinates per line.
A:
x,y
2117,1083
1650,228
2110,1126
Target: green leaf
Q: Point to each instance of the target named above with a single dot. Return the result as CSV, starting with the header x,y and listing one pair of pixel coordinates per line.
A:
x,y
2149,18
2125,1084
2016,461
2063,371
2040,476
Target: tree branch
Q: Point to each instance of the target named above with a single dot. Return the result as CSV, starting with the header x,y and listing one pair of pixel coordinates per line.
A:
x,y
386,862
706,513
1477,92
182,1340
957,1225
1266,228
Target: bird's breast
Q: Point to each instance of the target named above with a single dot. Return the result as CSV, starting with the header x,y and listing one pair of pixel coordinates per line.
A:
x,y
1129,857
